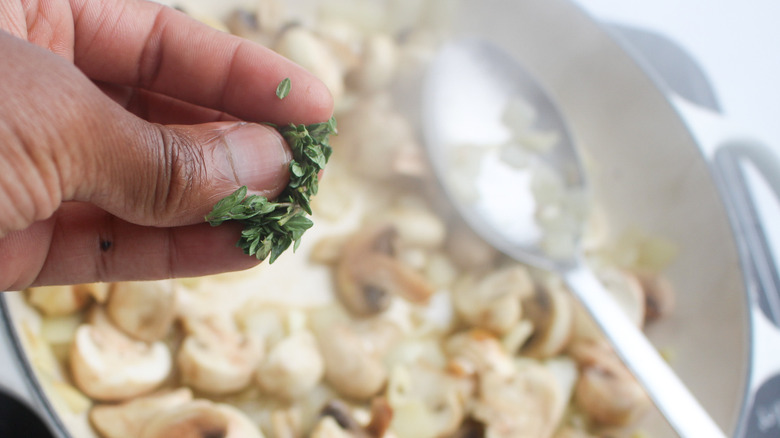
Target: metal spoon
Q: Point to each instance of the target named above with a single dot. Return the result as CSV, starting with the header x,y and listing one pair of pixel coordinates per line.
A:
x,y
467,87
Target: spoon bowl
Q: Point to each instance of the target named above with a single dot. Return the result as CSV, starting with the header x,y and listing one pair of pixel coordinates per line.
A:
x,y
470,123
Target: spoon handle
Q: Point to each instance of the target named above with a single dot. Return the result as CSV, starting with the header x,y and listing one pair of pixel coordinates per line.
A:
x,y
680,408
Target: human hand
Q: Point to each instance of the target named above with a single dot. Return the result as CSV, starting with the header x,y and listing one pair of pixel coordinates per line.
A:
x,y
122,122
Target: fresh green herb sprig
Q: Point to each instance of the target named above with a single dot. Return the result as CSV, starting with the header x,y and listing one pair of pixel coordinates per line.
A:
x,y
270,227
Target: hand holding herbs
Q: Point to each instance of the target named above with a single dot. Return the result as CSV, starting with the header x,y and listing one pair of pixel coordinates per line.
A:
x,y
270,227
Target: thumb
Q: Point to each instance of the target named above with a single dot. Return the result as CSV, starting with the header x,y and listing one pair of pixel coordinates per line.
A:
x,y
173,175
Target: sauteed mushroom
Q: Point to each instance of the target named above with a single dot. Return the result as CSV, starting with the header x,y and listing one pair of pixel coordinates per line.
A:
x,y
427,401
126,420
551,311
144,310
338,421
526,403
108,365
493,302
57,300
368,275
658,294
478,352
293,367
353,359
606,390
199,419
216,357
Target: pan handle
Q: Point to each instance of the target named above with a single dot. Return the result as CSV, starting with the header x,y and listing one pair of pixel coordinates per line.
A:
x,y
737,163
747,172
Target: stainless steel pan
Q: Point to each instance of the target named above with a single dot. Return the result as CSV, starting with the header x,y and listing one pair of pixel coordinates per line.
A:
x,y
652,169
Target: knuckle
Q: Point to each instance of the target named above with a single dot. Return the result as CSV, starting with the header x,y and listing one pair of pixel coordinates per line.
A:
x,y
181,170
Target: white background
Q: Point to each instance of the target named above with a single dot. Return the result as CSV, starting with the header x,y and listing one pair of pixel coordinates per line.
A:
x,y
736,42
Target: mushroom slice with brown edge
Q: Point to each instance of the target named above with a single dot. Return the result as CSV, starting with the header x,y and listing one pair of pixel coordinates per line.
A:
x,y
293,366
346,425
476,352
57,300
493,302
658,294
107,365
144,310
353,359
606,391
126,420
427,401
201,419
216,357
526,403
551,311
368,275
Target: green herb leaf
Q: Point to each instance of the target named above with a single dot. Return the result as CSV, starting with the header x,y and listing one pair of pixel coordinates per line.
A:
x,y
270,227
283,89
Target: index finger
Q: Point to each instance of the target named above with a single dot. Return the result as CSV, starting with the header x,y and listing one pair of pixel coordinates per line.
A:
x,y
143,44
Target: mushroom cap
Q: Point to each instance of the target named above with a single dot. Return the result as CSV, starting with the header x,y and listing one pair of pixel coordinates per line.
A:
x,y
293,367
109,366
125,420
525,403
351,367
144,310
368,275
606,391
551,311
57,300
493,301
217,358
200,419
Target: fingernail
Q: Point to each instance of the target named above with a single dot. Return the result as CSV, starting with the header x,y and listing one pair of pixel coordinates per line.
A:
x,y
256,157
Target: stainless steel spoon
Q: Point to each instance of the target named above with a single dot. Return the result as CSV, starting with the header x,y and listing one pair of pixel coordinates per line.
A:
x,y
467,87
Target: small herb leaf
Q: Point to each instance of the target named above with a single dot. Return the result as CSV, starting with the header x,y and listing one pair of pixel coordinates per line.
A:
x,y
283,89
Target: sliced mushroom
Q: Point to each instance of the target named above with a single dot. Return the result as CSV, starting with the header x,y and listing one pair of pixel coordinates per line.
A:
x,y
368,275
426,401
344,421
606,391
353,360
551,311
108,365
292,368
477,352
493,302
144,310
58,300
216,357
126,420
659,296
526,403
199,419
